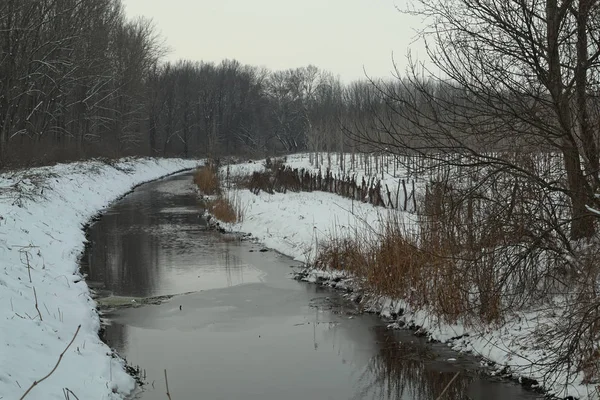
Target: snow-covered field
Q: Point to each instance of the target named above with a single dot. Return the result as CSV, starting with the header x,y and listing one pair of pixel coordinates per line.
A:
x,y
295,223
385,169
42,213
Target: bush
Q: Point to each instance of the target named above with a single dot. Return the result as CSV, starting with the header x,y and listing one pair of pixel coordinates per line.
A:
x,y
275,164
393,262
207,180
226,209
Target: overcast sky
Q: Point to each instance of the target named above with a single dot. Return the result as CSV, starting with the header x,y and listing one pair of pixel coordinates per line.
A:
x,y
341,36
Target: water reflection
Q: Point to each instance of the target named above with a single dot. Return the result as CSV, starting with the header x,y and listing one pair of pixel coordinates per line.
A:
x,y
154,242
404,370
249,332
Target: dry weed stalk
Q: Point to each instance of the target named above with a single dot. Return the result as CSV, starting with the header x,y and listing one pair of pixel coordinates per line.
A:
x,y
24,252
448,386
207,180
226,208
68,393
167,384
36,304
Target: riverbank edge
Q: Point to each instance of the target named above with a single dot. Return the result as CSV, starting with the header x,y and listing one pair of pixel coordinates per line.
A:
x,y
138,171
134,371
392,313
388,309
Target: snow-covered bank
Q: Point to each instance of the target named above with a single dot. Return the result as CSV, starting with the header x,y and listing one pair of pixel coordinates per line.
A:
x,y
295,223
42,214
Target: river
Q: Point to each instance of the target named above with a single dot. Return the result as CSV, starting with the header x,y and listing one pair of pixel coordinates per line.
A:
x,y
239,327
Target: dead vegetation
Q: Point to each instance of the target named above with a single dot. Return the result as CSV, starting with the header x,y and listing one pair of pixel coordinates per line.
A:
x,y
207,180
225,205
226,208
480,250
280,178
394,263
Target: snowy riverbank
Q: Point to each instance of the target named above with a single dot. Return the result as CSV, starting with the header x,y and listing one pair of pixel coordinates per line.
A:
x,y
42,215
295,223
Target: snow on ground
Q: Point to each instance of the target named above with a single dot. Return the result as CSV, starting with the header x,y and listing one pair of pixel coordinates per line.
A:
x,y
391,175
240,170
294,224
42,213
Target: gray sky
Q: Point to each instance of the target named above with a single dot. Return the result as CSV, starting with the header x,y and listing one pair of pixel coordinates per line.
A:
x,y
340,36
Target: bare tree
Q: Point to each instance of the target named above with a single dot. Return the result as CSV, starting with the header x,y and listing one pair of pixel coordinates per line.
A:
x,y
504,118
78,79
513,75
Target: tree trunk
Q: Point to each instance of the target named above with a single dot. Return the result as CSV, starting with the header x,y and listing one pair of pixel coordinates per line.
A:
x,y
152,134
586,131
582,225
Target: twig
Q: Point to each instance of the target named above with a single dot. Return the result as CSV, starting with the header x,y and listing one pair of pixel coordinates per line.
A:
x,y
68,392
35,383
36,304
167,383
28,267
447,386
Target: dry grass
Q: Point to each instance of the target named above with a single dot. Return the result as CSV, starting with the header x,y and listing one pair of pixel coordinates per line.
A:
x,y
226,208
477,253
207,180
482,250
395,263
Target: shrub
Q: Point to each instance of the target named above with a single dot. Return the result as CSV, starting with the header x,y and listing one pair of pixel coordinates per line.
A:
x,y
275,164
260,181
207,180
397,262
226,209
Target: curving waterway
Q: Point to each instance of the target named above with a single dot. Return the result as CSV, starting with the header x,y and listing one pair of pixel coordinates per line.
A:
x,y
239,327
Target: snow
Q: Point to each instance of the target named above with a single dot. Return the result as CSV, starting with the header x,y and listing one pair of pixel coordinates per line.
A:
x,y
241,170
42,214
390,177
295,223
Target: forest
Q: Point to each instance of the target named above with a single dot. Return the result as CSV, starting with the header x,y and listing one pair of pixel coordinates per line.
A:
x,y
78,79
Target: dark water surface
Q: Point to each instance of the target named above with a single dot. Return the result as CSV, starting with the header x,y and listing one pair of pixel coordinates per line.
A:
x,y
248,331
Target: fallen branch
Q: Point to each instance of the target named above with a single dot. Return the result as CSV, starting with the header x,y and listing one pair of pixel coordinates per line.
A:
x,y
35,383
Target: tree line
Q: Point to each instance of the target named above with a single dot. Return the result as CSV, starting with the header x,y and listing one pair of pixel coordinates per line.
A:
x,y
78,79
